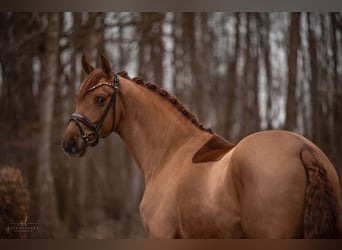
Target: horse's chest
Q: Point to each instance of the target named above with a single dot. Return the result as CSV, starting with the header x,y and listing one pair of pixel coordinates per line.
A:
x,y
159,218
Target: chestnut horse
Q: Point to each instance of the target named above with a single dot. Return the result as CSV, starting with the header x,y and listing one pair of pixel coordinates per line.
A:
x,y
272,184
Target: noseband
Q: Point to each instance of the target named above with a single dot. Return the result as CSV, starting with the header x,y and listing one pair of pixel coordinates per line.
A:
x,y
92,137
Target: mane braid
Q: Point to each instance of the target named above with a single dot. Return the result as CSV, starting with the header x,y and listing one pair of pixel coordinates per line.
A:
x,y
170,98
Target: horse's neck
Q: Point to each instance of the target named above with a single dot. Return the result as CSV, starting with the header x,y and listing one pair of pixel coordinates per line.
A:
x,y
151,127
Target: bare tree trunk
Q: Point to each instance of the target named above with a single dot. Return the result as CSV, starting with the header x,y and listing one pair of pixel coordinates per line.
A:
x,y
151,49
291,102
324,87
143,57
246,85
122,58
48,218
178,61
100,34
314,91
19,104
232,79
74,201
92,164
337,94
264,22
191,47
254,108
157,47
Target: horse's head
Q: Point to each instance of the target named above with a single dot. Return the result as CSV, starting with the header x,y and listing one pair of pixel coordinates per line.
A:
x,y
96,109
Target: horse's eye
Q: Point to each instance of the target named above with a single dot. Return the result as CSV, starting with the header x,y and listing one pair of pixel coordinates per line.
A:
x,y
99,100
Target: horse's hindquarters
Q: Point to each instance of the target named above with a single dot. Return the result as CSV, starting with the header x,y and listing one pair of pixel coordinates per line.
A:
x,y
273,185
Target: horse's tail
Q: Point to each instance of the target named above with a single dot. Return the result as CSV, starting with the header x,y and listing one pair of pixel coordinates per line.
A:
x,y
322,212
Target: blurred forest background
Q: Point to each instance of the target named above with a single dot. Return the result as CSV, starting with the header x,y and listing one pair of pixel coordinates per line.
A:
x,y
239,72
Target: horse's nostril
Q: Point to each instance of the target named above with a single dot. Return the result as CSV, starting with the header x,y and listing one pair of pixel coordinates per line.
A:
x,y
70,146
73,146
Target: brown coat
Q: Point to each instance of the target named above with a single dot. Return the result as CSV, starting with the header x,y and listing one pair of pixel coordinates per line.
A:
x,y
272,184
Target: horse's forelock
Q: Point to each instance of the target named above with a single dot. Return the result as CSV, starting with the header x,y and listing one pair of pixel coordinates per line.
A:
x,y
91,80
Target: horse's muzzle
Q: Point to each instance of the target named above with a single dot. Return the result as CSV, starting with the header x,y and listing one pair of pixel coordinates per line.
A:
x,y
74,146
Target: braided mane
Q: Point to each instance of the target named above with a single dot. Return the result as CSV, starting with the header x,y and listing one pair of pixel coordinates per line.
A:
x,y
170,98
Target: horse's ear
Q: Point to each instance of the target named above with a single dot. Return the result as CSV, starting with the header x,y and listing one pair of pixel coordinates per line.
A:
x,y
87,68
106,67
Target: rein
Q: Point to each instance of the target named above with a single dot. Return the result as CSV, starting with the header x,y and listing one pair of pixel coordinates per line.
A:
x,y
92,137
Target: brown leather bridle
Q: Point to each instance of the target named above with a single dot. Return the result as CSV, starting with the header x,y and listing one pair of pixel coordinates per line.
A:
x,y
92,137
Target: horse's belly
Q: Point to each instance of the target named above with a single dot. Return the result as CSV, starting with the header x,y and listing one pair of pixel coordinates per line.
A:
x,y
194,217
208,222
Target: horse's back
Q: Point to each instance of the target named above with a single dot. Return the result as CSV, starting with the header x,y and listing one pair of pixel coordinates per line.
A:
x,y
273,182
